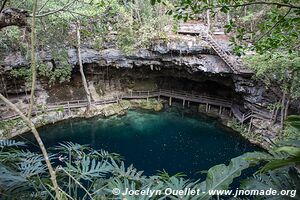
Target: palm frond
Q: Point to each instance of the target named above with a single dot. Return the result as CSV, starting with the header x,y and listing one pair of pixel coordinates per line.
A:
x,y
165,176
11,181
32,165
107,155
130,173
294,121
67,147
89,169
11,143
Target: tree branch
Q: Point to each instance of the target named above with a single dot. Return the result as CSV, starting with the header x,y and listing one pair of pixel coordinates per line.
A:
x,y
275,25
36,134
3,5
236,5
57,10
265,3
33,58
41,8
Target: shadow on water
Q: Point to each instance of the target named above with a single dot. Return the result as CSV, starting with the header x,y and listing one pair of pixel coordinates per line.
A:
x,y
175,140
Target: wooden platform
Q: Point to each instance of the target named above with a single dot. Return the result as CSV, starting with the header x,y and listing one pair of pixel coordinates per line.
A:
x,y
186,98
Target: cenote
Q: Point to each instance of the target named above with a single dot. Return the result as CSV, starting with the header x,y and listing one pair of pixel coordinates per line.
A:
x,y
172,140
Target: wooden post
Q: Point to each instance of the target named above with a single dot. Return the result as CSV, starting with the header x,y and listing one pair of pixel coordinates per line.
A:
x,y
250,125
243,117
170,101
183,103
188,104
69,111
220,111
159,92
148,96
131,93
206,107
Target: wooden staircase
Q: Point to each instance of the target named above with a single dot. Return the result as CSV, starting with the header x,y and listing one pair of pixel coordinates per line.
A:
x,y
253,113
232,61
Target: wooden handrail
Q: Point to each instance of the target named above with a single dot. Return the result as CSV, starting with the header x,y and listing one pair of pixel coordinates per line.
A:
x,y
179,94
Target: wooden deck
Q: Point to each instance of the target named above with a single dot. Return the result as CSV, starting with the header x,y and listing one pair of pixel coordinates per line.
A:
x,y
185,97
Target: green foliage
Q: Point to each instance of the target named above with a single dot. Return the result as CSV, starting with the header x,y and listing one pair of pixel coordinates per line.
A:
x,y
97,173
286,178
8,125
294,121
23,73
20,171
10,143
136,23
279,67
10,40
243,129
280,171
292,128
88,169
60,74
165,176
221,176
271,24
282,159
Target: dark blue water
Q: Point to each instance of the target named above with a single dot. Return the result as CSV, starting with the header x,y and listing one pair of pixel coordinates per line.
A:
x,y
169,140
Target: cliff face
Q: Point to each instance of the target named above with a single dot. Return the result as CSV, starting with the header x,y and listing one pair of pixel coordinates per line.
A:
x,y
183,62
194,54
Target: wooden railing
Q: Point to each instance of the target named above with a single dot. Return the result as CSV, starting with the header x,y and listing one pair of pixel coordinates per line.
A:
x,y
233,62
176,94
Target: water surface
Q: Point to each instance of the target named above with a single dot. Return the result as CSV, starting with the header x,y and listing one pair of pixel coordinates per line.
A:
x,y
170,140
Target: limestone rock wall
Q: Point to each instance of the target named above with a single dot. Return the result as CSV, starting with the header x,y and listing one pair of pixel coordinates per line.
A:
x,y
182,57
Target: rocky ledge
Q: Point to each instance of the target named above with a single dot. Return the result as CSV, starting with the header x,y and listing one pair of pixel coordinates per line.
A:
x,y
13,128
179,62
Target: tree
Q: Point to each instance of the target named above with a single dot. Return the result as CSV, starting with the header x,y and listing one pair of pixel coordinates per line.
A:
x,y
16,17
282,69
84,82
12,16
276,27
39,141
33,58
27,119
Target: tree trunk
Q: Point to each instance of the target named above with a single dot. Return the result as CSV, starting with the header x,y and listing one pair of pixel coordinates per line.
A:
x,y
39,141
282,109
276,112
88,95
208,20
33,58
287,107
272,116
228,17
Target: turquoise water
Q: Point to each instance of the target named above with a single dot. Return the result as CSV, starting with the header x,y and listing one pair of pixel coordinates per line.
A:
x,y
170,140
